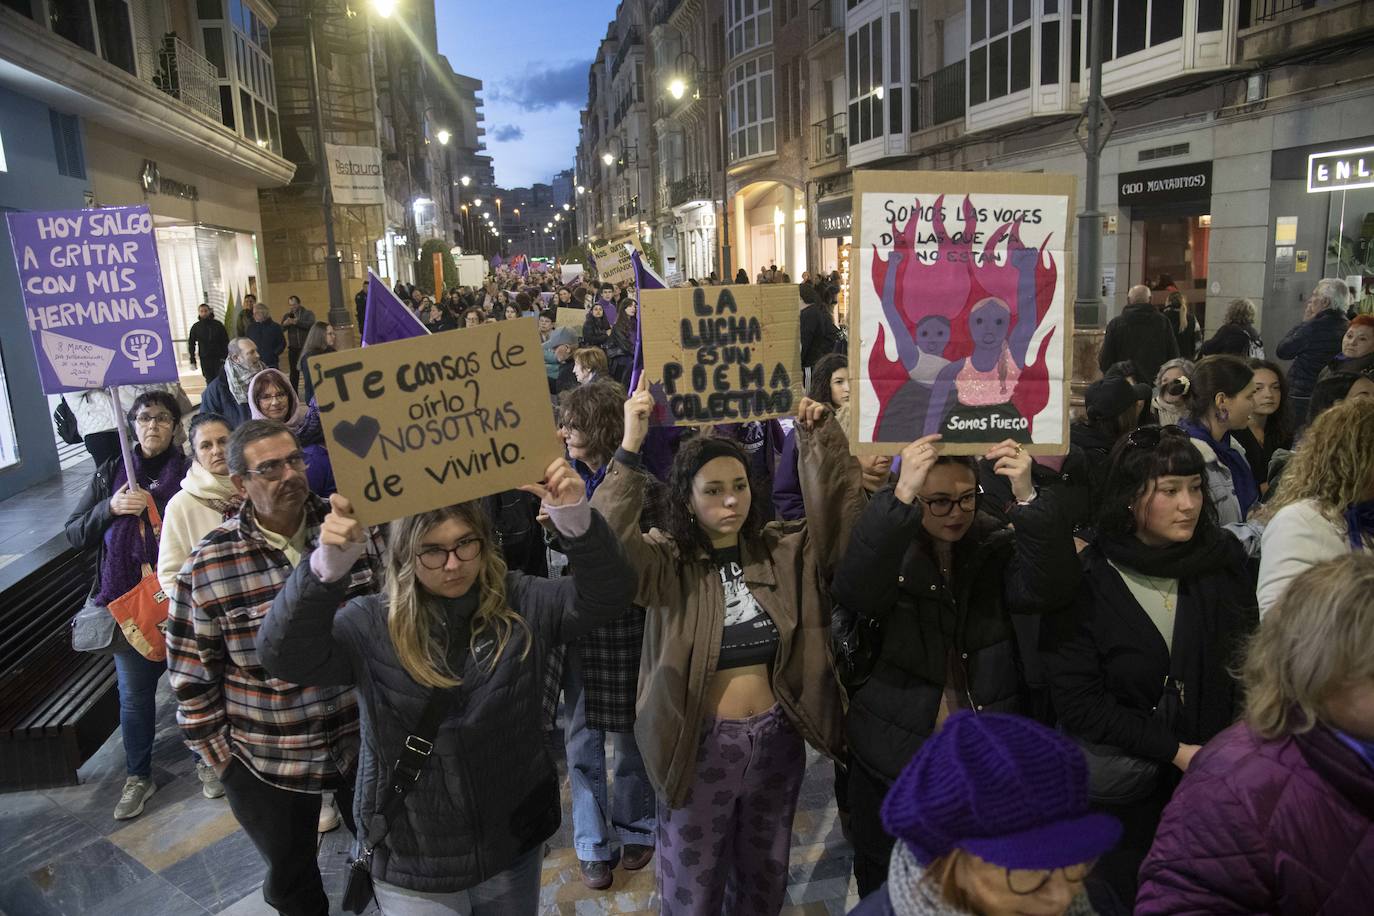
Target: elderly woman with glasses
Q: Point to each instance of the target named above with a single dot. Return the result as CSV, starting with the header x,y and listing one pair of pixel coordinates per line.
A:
x,y
941,580
1139,669
114,518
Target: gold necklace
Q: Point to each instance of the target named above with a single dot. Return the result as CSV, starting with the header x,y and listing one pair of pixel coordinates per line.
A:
x,y
1169,595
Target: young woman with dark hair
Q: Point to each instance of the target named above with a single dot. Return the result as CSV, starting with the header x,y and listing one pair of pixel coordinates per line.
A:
x,y
596,330
738,675
1221,398
620,345
1139,669
941,580
1271,423
319,341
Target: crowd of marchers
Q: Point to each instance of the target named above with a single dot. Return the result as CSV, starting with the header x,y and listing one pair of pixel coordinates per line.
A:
x,y
1137,677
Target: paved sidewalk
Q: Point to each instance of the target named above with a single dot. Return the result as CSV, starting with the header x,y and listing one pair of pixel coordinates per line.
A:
x,y
62,853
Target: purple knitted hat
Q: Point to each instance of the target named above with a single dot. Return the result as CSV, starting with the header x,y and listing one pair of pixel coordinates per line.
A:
x,y
1002,787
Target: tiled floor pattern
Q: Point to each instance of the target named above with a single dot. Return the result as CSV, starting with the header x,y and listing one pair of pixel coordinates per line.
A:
x,y
62,853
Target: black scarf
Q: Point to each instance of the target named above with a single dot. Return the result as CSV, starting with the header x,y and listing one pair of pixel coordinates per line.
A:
x,y
1210,549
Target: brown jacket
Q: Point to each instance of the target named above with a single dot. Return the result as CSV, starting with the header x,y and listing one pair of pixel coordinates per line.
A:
x,y
787,568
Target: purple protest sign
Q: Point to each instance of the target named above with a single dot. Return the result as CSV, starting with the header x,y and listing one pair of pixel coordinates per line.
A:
x,y
93,297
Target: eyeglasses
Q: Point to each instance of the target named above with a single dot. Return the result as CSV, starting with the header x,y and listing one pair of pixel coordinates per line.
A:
x,y
272,470
1026,881
942,506
151,419
271,398
437,557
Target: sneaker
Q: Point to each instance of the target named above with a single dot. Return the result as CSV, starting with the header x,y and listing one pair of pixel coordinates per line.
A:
x,y
137,791
210,785
596,875
636,856
329,817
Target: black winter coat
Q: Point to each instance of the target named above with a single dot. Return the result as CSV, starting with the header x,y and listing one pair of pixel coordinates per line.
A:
x,y
489,792
1141,334
1107,662
1311,345
208,338
1187,337
818,333
888,577
217,398
1235,339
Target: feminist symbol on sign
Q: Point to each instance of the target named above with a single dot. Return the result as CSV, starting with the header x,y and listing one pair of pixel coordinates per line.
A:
x,y
136,345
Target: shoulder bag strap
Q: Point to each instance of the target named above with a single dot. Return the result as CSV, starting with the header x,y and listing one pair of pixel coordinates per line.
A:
x,y
418,746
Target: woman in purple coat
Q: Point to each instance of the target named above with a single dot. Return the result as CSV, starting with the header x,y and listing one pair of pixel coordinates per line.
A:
x,y
1276,814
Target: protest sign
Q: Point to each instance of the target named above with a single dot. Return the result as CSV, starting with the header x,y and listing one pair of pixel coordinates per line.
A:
x,y
613,264
570,273
417,424
724,354
569,317
93,297
962,323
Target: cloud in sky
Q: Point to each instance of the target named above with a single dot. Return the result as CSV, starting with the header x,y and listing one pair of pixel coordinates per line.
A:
x,y
506,133
541,90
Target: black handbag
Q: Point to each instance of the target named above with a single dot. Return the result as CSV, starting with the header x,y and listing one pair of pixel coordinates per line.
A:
x,y
1116,777
404,774
65,421
856,641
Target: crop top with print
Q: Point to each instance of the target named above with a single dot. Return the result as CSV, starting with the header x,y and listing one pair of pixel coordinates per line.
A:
x,y
750,637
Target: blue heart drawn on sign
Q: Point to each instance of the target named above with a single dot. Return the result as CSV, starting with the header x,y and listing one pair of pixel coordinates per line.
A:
x,y
357,437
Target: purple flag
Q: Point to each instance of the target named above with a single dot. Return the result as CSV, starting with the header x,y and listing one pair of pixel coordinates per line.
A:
x,y
93,297
386,318
645,278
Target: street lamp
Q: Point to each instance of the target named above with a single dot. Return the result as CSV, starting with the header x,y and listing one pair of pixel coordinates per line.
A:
x,y
607,158
477,202
443,137
567,207
465,180
581,189
384,8
677,88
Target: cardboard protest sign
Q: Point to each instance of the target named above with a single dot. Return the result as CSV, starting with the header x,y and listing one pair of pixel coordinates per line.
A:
x,y
570,273
962,321
417,424
612,260
724,354
569,317
93,297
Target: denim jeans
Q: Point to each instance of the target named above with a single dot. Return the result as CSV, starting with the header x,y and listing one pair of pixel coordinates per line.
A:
x,y
513,892
598,830
137,678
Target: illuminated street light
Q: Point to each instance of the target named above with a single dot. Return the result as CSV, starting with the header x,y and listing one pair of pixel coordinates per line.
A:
x,y
465,180
557,217
477,202
677,88
384,8
607,158
567,207
443,136
581,189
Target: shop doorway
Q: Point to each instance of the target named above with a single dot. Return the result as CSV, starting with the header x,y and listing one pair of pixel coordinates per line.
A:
x,y
1169,251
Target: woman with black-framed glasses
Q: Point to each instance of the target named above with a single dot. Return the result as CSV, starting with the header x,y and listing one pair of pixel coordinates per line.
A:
x,y
1139,668
941,578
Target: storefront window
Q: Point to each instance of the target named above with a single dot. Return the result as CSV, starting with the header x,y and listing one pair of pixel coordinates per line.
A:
x,y
1350,234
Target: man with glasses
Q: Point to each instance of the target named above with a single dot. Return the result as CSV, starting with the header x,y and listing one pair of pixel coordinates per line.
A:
x,y
276,746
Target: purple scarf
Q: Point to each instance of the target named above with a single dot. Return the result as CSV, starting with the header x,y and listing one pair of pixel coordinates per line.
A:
x,y
1242,477
127,546
1359,524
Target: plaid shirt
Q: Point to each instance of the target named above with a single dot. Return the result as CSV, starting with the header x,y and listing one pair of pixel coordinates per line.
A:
x,y
295,738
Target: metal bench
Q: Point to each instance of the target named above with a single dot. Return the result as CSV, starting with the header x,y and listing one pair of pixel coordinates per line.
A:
x,y
57,705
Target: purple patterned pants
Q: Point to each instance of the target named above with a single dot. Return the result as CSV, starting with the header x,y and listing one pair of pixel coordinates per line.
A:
x,y
726,849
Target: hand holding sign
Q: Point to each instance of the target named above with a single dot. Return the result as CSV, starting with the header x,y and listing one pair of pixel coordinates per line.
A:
x,y
342,541
128,502
811,414
917,460
638,407
560,487
1012,461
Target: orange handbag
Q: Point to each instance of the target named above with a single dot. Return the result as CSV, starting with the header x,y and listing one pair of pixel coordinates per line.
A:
x,y
141,612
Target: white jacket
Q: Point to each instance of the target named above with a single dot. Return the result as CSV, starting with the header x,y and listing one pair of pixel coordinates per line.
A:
x,y
189,517
92,408
1297,538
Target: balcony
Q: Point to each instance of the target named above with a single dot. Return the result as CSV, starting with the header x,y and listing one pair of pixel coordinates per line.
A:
x,y
942,96
179,70
1271,29
692,187
663,11
827,18
629,41
828,139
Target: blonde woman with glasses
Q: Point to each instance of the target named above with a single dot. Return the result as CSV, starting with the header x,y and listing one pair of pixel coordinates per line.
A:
x,y
1277,811
468,836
